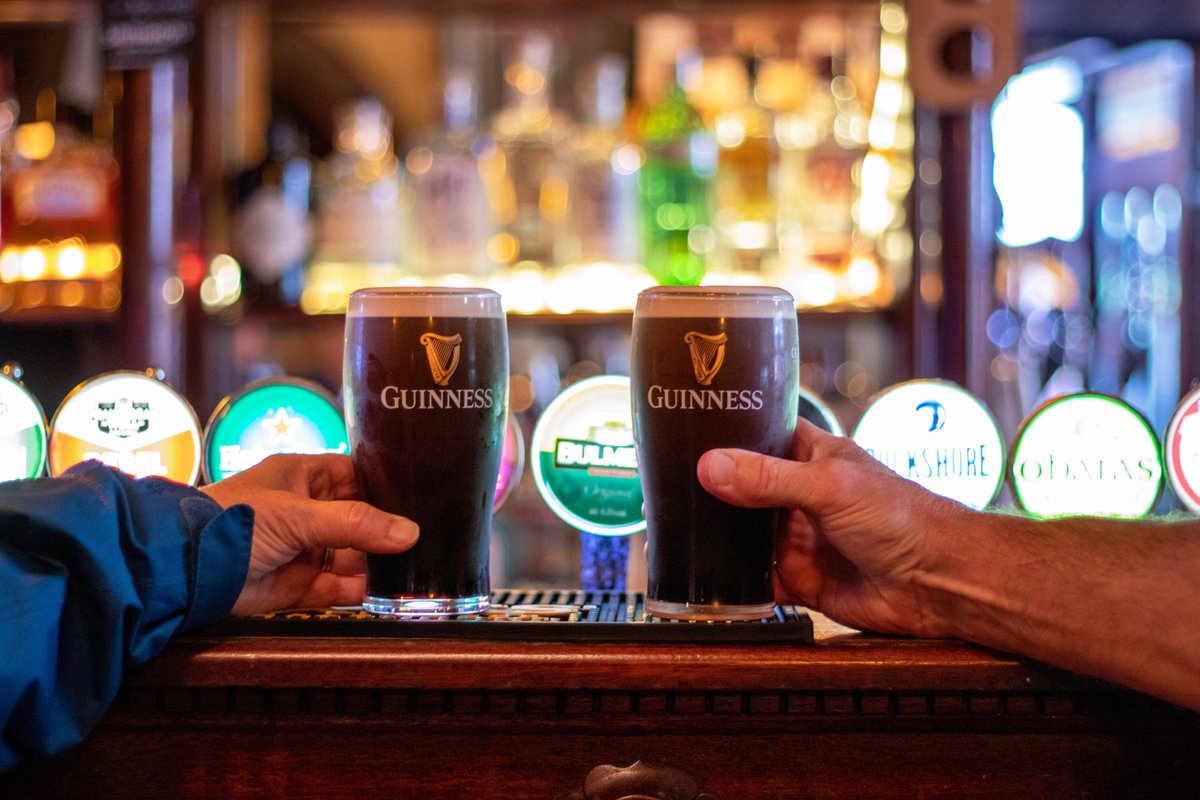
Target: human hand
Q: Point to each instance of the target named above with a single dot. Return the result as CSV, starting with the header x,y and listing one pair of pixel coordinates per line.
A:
x,y
302,506
858,539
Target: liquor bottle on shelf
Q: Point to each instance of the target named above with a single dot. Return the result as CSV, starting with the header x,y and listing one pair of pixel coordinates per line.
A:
x,y
673,184
452,224
59,217
526,176
820,144
743,199
362,209
604,170
272,228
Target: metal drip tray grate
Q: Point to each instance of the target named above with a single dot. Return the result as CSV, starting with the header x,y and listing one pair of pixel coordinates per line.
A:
x,y
532,616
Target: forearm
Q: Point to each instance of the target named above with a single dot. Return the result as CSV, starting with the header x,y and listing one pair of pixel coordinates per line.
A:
x,y
98,571
1109,598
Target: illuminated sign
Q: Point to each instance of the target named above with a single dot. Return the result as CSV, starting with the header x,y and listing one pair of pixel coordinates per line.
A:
x,y
274,415
131,421
22,430
1086,454
512,463
939,435
583,458
1182,451
814,409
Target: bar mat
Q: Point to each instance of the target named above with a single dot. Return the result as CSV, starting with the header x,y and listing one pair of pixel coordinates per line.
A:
x,y
530,616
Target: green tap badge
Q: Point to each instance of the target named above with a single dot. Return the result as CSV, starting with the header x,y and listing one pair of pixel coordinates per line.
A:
x,y
583,458
273,415
22,429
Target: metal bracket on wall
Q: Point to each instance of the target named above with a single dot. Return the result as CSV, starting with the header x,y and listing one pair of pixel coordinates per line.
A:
x,y
961,52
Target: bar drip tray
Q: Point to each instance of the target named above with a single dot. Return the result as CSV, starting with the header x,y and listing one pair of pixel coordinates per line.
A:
x,y
604,616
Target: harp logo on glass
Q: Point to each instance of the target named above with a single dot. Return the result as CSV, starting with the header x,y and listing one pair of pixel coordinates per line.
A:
x,y
708,355
442,353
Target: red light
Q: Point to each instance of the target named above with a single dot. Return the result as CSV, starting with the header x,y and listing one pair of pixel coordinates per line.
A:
x,y
191,270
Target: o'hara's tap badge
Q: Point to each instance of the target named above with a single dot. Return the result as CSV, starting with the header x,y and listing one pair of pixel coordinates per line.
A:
x,y
1086,453
273,415
22,432
584,463
127,420
442,353
940,436
1182,445
707,352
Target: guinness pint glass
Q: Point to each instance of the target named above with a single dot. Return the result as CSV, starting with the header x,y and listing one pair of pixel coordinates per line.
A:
x,y
426,386
712,367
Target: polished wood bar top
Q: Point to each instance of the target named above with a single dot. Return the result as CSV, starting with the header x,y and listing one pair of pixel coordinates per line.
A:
x,y
847,715
839,658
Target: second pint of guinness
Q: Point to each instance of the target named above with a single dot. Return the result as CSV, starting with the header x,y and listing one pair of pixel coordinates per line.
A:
x,y
712,367
426,387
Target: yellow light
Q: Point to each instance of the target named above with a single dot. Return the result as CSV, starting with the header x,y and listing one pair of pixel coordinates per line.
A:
x,y
10,264
456,280
310,300
553,198
34,140
893,60
730,131
71,294
106,258
70,261
892,18
34,295
33,264
862,276
419,160
527,292
503,248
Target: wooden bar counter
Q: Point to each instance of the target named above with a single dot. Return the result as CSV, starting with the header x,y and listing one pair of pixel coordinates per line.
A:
x,y
849,715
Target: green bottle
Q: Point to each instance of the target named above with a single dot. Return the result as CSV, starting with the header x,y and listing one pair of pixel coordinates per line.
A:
x,y
673,186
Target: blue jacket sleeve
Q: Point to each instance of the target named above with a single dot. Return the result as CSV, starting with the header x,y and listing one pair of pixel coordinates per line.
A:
x,y
97,572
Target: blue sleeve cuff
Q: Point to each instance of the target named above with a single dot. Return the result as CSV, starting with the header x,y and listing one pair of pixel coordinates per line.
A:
x,y
220,557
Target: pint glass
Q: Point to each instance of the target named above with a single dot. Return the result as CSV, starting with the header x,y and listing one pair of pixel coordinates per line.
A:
x,y
712,367
425,376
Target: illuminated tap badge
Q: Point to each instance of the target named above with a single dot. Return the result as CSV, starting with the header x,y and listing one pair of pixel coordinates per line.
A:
x,y
274,415
583,458
814,409
131,421
22,432
1086,454
512,463
939,435
1182,451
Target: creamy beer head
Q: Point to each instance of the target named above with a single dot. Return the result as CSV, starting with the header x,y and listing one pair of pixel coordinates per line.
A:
x,y
425,301
714,301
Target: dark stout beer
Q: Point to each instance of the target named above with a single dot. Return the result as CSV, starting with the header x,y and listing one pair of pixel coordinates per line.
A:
x,y
712,367
426,383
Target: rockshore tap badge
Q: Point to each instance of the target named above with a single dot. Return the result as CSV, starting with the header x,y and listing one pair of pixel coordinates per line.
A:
x,y
1089,454
132,421
939,435
1182,451
22,429
269,416
583,458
